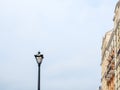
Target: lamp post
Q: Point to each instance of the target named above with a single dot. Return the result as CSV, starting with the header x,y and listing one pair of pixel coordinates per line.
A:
x,y
39,57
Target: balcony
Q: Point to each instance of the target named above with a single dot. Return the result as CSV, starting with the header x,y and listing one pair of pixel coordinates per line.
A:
x,y
112,72
113,60
108,75
118,56
108,79
117,64
111,66
111,56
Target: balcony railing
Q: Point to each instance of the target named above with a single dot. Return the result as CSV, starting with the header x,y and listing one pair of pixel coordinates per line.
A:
x,y
109,74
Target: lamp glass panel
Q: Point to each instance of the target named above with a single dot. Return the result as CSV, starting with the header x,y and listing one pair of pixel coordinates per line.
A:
x,y
39,59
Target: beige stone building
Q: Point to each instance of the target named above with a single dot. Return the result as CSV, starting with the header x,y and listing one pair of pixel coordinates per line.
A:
x,y
108,62
117,45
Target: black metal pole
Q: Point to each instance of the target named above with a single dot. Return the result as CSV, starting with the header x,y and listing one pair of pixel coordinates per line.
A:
x,y
38,76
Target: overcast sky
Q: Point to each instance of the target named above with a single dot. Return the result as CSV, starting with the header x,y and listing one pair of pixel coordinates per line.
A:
x,y
68,32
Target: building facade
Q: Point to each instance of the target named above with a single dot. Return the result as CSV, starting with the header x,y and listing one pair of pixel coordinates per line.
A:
x,y
110,62
117,45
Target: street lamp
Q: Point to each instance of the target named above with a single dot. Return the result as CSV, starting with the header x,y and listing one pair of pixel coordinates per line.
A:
x,y
39,57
